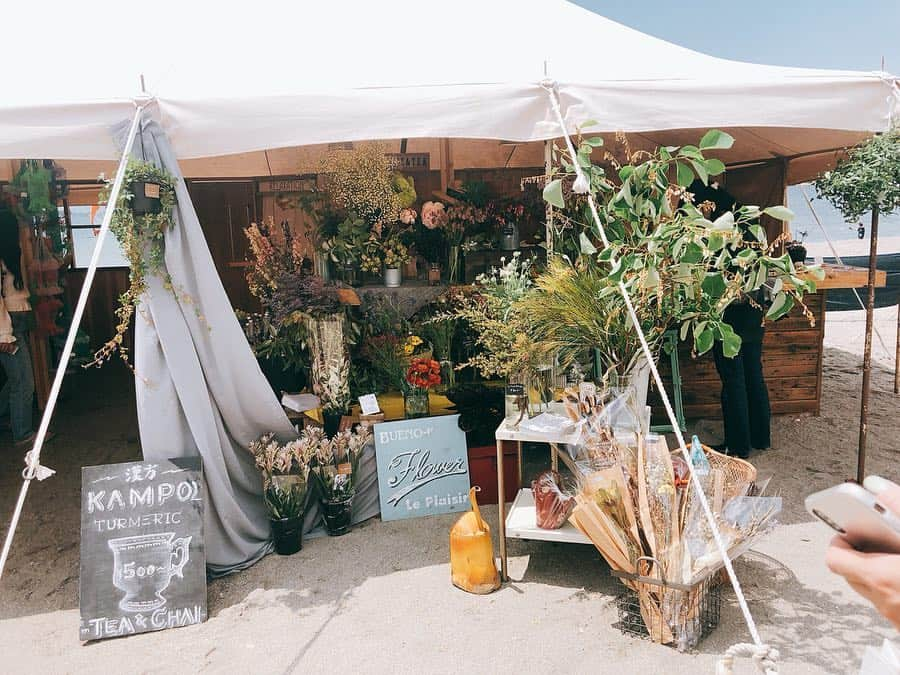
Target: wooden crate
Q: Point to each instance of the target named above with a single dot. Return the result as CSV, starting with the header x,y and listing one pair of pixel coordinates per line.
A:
x,y
792,362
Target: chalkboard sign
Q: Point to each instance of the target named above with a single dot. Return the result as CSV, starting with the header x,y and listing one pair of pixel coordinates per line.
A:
x,y
143,565
423,467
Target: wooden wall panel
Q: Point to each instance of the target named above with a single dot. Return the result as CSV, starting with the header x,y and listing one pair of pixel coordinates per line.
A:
x,y
99,320
225,210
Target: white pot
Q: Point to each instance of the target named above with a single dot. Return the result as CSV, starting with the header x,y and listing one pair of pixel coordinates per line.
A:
x,y
639,379
392,277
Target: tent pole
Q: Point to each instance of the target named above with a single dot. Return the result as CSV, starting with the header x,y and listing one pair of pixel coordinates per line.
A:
x,y
897,355
548,167
32,459
867,352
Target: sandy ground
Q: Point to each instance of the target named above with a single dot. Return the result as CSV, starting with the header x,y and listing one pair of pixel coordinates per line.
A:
x,y
380,599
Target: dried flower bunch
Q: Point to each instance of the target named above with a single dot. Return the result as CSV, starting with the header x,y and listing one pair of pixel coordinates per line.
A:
x,y
337,462
275,459
423,374
330,364
274,254
642,504
361,180
297,297
285,470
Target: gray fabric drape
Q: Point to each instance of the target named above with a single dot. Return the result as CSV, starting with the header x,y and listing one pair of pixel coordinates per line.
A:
x,y
199,388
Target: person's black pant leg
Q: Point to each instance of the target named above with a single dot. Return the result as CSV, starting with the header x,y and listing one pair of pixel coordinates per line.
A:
x,y
757,395
735,407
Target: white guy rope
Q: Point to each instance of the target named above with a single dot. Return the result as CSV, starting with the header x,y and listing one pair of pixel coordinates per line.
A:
x,y
763,654
838,259
32,459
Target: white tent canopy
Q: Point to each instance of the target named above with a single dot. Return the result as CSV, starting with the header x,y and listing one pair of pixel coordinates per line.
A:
x,y
229,79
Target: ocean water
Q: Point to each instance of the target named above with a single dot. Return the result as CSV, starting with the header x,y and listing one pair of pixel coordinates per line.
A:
x,y
850,248
844,234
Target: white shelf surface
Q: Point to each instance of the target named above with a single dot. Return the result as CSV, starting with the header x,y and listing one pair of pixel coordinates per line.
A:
x,y
521,523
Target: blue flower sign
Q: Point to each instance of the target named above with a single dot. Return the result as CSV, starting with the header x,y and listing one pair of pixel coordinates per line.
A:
x,y
423,467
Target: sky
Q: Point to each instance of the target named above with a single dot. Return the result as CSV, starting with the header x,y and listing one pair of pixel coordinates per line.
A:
x,y
843,34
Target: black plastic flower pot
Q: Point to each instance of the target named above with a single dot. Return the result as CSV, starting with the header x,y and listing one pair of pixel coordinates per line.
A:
x,y
331,422
797,253
146,198
337,515
287,534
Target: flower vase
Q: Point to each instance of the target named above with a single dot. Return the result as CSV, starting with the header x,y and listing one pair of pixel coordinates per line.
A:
x,y
448,375
287,534
392,277
416,403
338,515
322,266
454,266
434,274
331,421
350,275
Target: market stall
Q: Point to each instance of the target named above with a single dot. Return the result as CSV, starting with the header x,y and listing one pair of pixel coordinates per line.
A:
x,y
523,320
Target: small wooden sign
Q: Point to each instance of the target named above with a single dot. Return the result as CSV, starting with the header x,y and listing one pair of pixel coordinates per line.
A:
x,y
143,565
288,185
410,161
423,467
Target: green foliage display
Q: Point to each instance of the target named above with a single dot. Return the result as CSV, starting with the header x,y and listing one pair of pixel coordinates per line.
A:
x,y
681,269
869,176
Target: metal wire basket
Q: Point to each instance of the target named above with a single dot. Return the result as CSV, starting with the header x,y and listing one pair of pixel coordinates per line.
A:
x,y
669,613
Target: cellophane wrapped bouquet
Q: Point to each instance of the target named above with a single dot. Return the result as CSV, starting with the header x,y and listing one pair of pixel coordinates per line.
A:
x,y
639,506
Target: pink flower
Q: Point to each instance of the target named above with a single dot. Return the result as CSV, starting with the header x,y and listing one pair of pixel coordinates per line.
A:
x,y
407,216
433,215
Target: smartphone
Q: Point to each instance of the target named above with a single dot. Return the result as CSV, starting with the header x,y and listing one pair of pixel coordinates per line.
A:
x,y
855,514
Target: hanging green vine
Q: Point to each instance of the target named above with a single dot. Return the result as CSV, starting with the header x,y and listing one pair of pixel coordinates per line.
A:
x,y
142,239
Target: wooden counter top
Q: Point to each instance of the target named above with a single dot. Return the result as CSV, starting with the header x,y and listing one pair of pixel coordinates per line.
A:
x,y
844,276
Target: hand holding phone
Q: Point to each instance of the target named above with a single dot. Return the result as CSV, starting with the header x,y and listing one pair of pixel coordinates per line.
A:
x,y
855,514
865,550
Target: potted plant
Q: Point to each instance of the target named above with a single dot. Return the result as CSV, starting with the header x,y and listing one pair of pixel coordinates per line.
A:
x,y
285,472
421,376
335,473
141,235
796,250
394,255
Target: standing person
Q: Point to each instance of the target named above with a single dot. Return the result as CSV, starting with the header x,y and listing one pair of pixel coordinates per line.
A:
x,y
745,399
17,394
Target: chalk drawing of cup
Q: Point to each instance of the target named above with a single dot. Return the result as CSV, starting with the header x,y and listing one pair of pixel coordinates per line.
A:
x,y
144,565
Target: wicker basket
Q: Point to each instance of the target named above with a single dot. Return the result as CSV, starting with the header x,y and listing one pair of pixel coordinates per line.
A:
x,y
739,473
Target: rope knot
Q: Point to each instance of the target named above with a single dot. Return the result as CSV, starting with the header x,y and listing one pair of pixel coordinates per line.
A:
x,y
764,656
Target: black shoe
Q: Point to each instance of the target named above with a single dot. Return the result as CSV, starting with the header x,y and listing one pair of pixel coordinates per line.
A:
x,y
732,453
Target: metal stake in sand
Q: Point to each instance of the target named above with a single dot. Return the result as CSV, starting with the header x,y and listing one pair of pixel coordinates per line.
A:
x,y
32,459
867,351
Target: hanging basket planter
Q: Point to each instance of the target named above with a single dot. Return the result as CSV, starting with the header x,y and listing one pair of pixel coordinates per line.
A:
x,y
142,214
146,198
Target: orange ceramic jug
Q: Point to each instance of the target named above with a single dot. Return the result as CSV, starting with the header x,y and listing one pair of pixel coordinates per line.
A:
x,y
472,566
